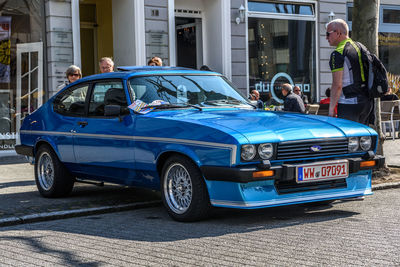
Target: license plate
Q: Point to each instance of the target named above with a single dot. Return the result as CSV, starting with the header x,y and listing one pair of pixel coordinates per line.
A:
x,y
327,170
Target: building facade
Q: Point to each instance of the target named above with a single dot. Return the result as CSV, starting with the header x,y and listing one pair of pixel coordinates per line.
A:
x,y
256,44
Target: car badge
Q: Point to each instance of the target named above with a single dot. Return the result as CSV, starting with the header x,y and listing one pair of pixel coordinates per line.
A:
x,y
315,148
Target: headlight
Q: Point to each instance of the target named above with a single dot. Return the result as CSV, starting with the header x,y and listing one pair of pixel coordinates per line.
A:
x,y
265,150
353,144
248,152
365,142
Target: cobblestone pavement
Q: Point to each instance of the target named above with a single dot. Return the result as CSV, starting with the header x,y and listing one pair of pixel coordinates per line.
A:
x,y
364,233
19,195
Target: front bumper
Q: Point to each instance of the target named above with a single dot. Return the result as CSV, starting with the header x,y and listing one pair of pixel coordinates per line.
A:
x,y
236,187
285,172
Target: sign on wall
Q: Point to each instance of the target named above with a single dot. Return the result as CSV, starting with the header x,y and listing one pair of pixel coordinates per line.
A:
x,y
5,49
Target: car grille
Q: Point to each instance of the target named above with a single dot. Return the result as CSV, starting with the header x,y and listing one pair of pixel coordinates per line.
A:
x,y
302,149
293,187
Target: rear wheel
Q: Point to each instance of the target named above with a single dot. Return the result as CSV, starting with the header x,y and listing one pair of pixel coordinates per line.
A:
x,y
51,176
184,192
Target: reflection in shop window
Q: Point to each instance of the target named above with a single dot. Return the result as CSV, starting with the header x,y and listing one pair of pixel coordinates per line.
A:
x,y
21,21
281,51
389,51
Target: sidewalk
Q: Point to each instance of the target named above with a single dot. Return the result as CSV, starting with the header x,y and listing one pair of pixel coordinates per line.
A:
x,y
391,148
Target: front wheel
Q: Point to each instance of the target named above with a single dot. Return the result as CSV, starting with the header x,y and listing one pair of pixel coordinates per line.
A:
x,y
183,190
51,176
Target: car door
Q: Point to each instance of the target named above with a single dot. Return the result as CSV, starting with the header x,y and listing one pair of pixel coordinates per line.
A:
x,y
103,145
69,107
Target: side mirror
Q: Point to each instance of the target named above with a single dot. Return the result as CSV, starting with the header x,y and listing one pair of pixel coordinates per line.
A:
x,y
112,110
115,110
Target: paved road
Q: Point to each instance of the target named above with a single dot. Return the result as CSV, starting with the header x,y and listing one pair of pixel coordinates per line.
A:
x,y
19,196
349,233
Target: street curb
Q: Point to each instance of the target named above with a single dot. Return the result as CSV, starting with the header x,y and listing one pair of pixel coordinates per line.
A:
x,y
386,186
56,215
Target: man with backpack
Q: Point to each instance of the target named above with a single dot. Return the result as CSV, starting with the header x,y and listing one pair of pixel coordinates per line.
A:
x,y
349,75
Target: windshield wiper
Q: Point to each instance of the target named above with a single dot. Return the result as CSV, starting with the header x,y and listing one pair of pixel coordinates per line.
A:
x,y
224,101
167,106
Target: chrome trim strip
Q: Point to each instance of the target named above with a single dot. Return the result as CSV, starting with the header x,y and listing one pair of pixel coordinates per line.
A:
x,y
232,148
46,132
244,204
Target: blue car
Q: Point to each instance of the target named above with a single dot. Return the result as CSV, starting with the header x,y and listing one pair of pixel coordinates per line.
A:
x,y
194,137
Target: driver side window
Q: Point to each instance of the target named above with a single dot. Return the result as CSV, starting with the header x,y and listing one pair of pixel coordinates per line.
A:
x,y
72,101
106,93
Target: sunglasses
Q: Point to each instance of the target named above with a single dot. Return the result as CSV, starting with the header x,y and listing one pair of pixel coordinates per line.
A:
x,y
75,75
328,33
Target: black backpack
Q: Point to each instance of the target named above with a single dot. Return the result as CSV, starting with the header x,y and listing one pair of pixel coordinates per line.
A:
x,y
377,82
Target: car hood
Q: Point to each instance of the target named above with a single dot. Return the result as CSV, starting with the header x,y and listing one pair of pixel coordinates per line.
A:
x,y
258,126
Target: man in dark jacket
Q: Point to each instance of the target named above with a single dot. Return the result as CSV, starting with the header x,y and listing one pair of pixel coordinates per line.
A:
x,y
292,102
255,96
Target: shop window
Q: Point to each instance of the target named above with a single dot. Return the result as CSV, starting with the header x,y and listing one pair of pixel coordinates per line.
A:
x,y
391,16
389,51
21,24
281,51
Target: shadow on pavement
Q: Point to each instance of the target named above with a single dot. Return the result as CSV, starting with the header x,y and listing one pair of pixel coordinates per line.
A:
x,y
68,258
154,224
22,198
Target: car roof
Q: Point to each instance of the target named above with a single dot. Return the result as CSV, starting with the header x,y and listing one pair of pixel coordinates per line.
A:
x,y
125,72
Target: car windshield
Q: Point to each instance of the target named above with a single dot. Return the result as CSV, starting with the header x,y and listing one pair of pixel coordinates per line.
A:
x,y
186,90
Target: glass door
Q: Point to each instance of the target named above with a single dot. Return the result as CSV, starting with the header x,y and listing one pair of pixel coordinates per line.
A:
x,y
29,79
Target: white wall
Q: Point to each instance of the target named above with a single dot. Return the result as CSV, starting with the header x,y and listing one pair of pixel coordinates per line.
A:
x,y
59,50
189,5
124,32
216,34
325,74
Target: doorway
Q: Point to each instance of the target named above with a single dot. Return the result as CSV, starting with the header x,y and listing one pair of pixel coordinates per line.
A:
x,y
96,33
189,42
88,38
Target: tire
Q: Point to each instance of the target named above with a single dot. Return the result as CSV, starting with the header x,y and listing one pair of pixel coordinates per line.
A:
x,y
183,190
51,176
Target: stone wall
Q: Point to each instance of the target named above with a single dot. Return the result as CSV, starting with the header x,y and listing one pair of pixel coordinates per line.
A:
x,y
156,27
239,59
59,42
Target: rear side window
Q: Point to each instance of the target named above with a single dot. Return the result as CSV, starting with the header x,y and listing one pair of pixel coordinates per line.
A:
x,y
72,101
106,93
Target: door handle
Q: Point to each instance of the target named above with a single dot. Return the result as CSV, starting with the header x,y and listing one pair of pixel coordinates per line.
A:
x,y
82,123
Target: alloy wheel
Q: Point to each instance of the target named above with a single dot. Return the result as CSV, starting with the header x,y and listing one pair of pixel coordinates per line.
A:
x,y
178,188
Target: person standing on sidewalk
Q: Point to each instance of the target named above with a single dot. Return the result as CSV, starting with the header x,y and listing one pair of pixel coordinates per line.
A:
x,y
349,87
106,64
73,73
